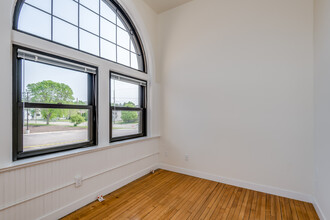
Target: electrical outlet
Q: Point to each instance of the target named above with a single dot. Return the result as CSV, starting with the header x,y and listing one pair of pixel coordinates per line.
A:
x,y
186,157
78,180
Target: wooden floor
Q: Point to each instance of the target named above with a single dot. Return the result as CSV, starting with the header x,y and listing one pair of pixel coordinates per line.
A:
x,y
168,195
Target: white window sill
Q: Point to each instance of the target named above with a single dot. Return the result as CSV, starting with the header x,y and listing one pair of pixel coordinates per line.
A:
x,y
67,154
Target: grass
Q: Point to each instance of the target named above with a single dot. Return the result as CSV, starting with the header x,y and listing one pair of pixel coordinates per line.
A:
x,y
36,125
124,123
63,120
45,125
119,128
72,126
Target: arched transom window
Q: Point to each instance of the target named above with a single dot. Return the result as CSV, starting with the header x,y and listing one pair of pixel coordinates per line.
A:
x,y
98,27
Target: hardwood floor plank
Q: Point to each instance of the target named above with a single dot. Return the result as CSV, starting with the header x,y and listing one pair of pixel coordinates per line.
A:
x,y
254,206
208,198
278,208
225,210
168,195
263,206
311,211
147,195
244,204
223,202
237,211
258,207
283,209
301,211
248,207
293,210
213,202
268,207
121,204
172,207
288,210
232,209
183,207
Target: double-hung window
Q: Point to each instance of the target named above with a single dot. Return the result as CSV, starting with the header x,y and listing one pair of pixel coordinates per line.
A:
x,y
128,108
54,106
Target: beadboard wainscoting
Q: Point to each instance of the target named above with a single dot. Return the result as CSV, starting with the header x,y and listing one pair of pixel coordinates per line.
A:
x,y
46,190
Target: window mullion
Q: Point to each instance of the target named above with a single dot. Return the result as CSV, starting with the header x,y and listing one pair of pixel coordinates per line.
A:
x,y
57,106
116,108
52,19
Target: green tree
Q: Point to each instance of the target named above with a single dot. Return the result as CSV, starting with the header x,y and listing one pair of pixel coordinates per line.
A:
x,y
129,116
50,92
77,119
50,114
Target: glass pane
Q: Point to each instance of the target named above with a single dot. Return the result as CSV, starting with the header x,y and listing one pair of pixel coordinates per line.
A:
x,y
108,12
67,10
46,128
133,47
65,33
124,94
108,50
43,5
108,30
89,20
126,123
120,23
91,4
89,43
123,56
44,83
34,21
123,38
134,61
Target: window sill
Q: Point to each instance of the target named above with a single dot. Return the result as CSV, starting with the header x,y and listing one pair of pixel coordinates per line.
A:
x,y
67,154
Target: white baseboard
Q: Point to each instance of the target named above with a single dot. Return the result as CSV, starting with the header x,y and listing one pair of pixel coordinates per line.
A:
x,y
92,196
240,183
319,210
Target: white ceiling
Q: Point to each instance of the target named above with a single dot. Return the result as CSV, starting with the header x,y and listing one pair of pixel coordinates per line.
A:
x,y
163,5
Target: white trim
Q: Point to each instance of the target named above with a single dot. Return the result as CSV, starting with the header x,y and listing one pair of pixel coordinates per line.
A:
x,y
45,59
67,154
319,211
42,45
239,183
92,196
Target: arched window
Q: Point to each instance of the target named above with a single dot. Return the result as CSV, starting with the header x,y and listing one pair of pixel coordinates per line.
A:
x,y
98,27
56,93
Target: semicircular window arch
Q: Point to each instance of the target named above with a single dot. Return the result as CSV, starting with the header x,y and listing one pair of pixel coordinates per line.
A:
x,y
98,27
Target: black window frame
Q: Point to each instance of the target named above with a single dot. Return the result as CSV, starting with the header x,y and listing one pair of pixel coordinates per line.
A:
x,y
125,18
142,109
18,109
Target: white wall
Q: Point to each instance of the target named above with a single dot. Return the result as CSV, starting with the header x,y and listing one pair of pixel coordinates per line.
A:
x,y
237,82
6,81
237,98
43,186
322,103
